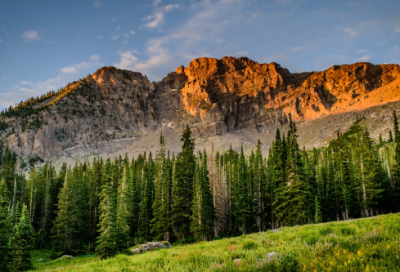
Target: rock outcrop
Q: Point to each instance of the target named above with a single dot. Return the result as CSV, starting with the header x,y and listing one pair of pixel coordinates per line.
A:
x,y
232,94
112,109
150,246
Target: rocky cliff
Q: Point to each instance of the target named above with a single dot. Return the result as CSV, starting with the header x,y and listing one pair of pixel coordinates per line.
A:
x,y
231,94
113,109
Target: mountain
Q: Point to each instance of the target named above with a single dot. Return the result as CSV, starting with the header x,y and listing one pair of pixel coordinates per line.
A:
x,y
226,101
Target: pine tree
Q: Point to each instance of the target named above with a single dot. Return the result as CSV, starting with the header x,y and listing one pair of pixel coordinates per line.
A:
x,y
106,242
296,196
243,212
207,205
70,229
195,225
182,192
396,166
146,206
5,228
161,205
317,215
123,211
22,243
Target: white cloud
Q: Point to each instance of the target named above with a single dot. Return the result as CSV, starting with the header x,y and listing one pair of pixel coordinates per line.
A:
x,y
397,27
114,19
156,2
159,57
364,58
97,4
124,42
127,61
115,37
30,35
27,89
126,35
68,70
99,37
94,58
298,48
156,20
94,61
132,32
1,40
361,51
117,28
350,31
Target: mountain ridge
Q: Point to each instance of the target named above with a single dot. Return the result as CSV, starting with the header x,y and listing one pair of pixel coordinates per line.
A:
x,y
112,109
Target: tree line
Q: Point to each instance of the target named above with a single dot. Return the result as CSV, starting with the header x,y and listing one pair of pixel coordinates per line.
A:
x,y
109,205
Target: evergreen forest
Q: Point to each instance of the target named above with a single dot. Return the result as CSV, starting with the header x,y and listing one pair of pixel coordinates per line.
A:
x,y
108,206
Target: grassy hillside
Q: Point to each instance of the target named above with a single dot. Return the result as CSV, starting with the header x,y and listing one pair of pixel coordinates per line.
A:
x,y
370,244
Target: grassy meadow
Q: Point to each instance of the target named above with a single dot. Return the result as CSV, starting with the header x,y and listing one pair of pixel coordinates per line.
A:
x,y
369,244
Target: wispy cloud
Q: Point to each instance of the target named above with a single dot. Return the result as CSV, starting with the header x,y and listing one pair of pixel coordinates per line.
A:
x,y
97,4
298,48
30,35
364,58
361,51
115,37
1,40
99,37
114,19
132,32
159,56
94,61
396,25
156,20
117,28
69,70
28,89
350,31
94,58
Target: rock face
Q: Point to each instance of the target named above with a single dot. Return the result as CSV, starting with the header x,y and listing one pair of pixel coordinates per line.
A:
x,y
111,109
232,94
103,113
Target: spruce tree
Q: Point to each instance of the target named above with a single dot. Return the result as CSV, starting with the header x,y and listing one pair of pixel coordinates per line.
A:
x,y
207,205
106,241
161,205
296,195
22,243
243,212
5,228
146,205
124,201
317,215
182,192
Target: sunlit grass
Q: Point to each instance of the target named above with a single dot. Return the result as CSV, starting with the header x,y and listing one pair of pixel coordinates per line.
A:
x,y
370,244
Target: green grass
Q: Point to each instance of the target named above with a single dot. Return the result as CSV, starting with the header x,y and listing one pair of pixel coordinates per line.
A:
x,y
370,244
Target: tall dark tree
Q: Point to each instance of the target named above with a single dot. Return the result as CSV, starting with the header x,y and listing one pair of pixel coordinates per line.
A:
x,y
182,192
106,241
22,243
5,228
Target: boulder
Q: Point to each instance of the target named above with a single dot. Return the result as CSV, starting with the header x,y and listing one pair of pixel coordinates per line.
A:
x,y
151,246
69,257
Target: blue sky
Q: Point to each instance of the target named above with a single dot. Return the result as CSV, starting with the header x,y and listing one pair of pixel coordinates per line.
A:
x,y
46,44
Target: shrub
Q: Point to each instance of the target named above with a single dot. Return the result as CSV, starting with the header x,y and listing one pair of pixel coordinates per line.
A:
x,y
249,244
